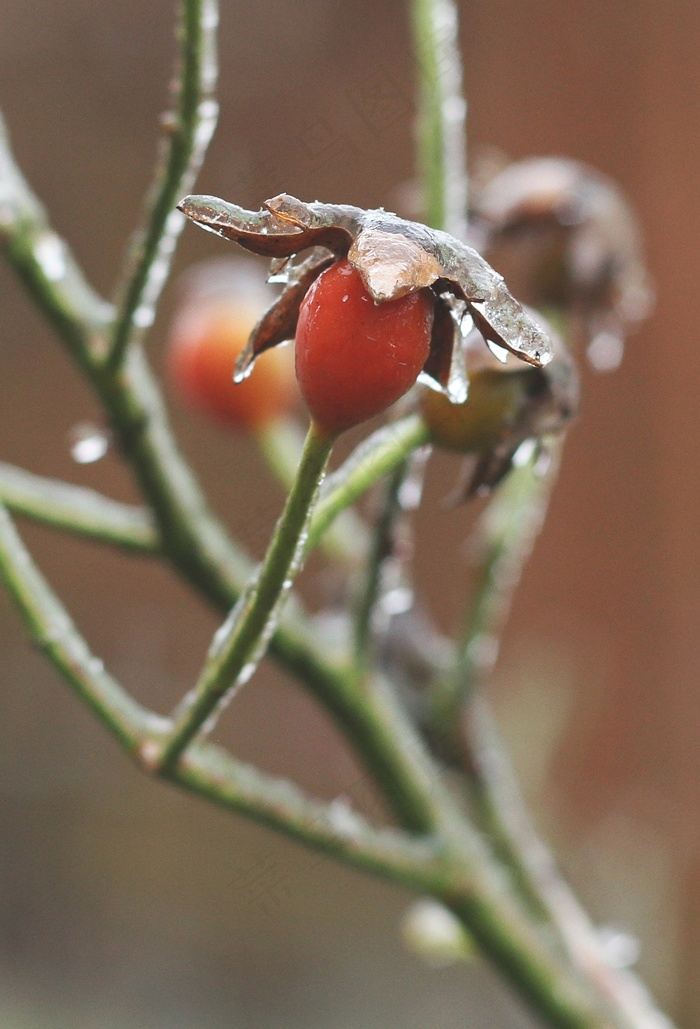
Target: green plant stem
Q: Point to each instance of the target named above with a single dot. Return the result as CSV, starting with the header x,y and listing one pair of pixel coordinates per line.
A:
x,y
480,899
242,640
506,819
188,135
281,442
197,545
370,462
442,111
504,540
501,544
77,510
45,264
206,770
279,804
54,632
371,587
193,540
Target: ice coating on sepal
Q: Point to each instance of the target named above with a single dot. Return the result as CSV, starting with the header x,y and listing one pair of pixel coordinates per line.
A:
x,y
395,257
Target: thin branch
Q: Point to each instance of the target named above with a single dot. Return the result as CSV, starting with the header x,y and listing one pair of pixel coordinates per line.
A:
x,y
189,132
52,628
481,898
501,545
242,640
193,539
81,511
206,770
506,819
281,442
374,458
371,587
442,111
334,829
45,264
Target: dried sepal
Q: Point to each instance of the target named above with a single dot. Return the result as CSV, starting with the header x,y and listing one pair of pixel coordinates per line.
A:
x,y
395,257
506,405
568,240
279,322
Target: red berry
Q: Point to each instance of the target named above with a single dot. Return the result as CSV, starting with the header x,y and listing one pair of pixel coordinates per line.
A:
x,y
355,358
205,341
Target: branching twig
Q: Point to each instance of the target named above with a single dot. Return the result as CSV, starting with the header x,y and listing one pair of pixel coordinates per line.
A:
x,y
477,894
281,442
77,510
501,544
371,587
370,462
242,640
483,880
192,538
189,129
45,264
52,628
442,114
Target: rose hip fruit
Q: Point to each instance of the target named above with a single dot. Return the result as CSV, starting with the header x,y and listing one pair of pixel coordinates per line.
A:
x,y
205,341
355,358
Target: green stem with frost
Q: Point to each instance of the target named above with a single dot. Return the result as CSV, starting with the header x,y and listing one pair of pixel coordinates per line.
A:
x,y
75,509
281,441
189,130
442,110
371,461
242,639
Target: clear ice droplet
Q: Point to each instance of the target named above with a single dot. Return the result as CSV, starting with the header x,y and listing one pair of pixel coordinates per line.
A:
x,y
280,271
524,453
397,601
620,949
605,351
500,353
88,443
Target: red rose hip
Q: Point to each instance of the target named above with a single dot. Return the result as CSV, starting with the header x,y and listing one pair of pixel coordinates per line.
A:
x,y
355,358
205,340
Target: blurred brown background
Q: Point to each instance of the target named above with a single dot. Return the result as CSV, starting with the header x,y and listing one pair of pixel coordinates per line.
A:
x,y
124,903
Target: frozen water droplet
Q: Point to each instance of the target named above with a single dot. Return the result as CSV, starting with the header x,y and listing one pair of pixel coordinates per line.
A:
x,y
397,601
500,353
432,931
620,949
210,17
411,489
605,351
242,371
96,666
88,443
429,381
458,382
465,321
50,253
454,109
342,817
208,109
512,323
280,270
543,463
524,453
144,316
246,674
